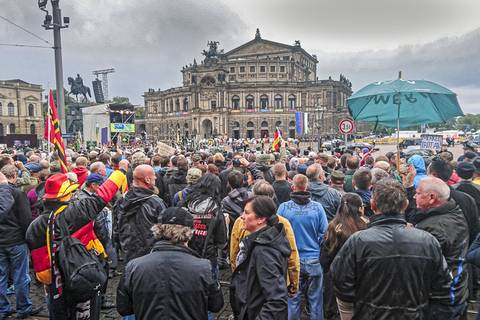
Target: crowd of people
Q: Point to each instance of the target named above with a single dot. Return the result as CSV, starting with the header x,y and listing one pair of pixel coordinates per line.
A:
x,y
357,235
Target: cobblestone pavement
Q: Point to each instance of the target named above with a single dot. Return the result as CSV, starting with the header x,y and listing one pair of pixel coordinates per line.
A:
x,y
224,314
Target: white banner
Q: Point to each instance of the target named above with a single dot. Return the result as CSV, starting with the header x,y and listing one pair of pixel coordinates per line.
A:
x,y
431,141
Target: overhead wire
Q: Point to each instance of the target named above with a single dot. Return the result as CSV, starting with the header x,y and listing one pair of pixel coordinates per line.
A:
x,y
27,31
23,45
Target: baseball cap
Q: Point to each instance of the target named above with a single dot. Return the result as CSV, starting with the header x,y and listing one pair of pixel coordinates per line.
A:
x,y
465,170
95,178
177,216
58,186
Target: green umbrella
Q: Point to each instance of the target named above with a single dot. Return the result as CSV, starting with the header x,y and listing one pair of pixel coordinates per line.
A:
x,y
403,103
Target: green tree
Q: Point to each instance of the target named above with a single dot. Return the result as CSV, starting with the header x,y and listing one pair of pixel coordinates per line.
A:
x,y
120,100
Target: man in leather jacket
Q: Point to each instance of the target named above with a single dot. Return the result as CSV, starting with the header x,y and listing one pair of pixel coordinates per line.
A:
x,y
413,258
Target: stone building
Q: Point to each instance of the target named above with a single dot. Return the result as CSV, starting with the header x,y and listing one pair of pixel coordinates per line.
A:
x,y
20,108
246,92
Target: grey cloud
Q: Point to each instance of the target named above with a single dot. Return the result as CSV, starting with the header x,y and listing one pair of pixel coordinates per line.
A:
x,y
452,62
146,41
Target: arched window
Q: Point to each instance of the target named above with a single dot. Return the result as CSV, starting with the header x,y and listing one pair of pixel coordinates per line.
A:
x,y
264,129
292,102
1,130
11,128
249,102
291,129
32,129
278,101
250,130
185,104
278,124
264,102
31,110
177,105
236,103
11,109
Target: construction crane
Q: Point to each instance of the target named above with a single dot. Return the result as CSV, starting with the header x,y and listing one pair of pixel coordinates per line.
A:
x,y
104,73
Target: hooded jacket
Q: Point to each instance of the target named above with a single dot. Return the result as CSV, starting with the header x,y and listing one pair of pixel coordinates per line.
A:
x,y
415,264
82,174
174,180
308,221
232,204
267,172
258,285
448,225
15,216
210,233
136,214
328,197
171,282
419,164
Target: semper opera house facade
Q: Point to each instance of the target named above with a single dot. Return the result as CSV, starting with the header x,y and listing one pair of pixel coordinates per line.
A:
x,y
246,92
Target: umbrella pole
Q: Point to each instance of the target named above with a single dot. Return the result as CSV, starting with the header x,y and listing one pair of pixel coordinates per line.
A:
x,y
398,138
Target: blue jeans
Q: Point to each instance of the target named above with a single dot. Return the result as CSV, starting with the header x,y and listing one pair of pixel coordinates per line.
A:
x,y
215,272
311,285
14,260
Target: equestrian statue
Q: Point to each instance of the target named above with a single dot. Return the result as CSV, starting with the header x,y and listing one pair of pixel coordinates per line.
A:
x,y
77,87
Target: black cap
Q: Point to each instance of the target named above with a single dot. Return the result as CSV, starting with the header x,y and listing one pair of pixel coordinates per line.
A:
x,y
470,155
465,170
177,216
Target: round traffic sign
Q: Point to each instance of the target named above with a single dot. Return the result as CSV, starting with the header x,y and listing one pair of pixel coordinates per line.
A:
x,y
346,126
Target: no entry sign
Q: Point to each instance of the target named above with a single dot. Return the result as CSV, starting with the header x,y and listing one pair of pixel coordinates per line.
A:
x,y
346,126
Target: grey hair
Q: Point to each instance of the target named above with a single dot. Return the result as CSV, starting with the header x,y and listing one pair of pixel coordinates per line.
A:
x,y
10,171
96,166
390,196
378,174
315,172
437,186
172,232
263,188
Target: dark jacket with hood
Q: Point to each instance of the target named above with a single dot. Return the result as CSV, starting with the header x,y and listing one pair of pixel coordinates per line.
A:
x,y
171,282
175,180
15,216
259,289
448,225
267,172
415,264
210,233
136,214
347,186
328,197
366,195
232,204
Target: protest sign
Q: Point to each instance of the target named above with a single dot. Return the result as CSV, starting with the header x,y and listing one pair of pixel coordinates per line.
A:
x,y
165,150
431,141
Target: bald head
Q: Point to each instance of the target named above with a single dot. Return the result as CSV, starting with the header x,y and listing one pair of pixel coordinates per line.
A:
x,y
144,177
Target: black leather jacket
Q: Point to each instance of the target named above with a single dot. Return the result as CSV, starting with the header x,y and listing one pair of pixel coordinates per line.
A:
x,y
448,225
389,270
172,282
136,214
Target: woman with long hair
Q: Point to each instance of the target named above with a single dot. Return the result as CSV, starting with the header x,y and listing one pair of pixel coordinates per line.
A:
x,y
209,235
348,220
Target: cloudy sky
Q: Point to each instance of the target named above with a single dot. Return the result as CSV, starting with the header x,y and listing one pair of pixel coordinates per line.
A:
x,y
148,41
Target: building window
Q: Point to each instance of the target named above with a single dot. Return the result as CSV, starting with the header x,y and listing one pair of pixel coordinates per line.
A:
x,y
11,109
31,110
262,69
282,68
272,68
252,68
1,111
249,102
1,130
291,129
32,129
292,101
242,69
213,104
177,105
278,101
11,128
286,58
185,104
236,103
264,102
232,69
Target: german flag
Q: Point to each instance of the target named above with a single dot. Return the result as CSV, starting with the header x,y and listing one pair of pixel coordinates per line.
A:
x,y
277,140
53,134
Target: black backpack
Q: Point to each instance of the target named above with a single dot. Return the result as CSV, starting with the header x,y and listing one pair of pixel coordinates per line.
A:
x,y
82,272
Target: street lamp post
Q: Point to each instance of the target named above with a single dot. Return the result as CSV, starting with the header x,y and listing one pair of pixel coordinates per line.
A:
x,y
55,22
319,115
